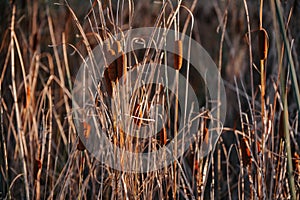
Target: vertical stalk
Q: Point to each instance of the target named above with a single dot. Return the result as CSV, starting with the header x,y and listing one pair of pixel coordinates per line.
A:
x,y
3,154
15,98
255,173
219,101
288,145
262,73
285,103
289,55
263,56
177,66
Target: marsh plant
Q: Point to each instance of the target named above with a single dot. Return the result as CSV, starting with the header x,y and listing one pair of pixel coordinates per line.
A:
x,y
156,99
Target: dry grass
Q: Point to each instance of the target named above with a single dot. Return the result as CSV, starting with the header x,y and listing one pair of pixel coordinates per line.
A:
x,y
257,155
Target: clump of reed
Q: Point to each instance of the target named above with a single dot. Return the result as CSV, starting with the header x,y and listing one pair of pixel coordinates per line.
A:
x,y
42,157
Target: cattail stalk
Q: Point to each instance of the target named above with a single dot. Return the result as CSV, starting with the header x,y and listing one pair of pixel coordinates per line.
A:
x,y
177,67
262,39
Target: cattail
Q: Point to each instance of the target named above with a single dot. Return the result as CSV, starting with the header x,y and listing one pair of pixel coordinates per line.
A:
x,y
112,68
163,136
263,45
28,96
206,136
37,166
258,147
178,55
86,130
122,67
121,60
196,165
246,153
108,84
86,133
80,145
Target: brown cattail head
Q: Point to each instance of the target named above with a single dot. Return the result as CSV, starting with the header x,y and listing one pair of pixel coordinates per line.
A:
x,y
107,83
112,68
28,96
178,54
80,145
205,136
86,129
163,136
258,147
121,61
86,133
263,44
246,153
37,166
111,55
122,65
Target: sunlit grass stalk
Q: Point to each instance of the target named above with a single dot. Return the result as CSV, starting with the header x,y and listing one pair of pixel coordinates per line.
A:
x,y
15,98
